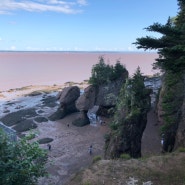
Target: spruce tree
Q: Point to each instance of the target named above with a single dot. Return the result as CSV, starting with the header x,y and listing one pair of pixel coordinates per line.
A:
x,y
171,45
171,50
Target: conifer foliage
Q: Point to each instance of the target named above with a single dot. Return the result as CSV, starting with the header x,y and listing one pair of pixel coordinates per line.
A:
x,y
171,45
171,50
103,73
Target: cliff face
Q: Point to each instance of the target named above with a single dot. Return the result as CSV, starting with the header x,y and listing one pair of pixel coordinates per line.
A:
x,y
129,139
104,96
180,136
130,119
171,110
107,94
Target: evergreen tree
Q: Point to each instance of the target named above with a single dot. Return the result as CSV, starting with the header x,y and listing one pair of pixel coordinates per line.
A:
x,y
171,50
171,45
102,73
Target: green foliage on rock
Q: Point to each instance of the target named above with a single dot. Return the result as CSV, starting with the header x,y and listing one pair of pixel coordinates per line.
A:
x,y
132,99
129,119
21,162
172,95
102,73
172,100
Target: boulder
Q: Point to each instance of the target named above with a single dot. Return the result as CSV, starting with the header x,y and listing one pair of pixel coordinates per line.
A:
x,y
69,95
45,140
67,99
87,99
25,125
59,114
81,119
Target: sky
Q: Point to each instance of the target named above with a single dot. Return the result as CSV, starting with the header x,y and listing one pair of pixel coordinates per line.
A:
x,y
79,25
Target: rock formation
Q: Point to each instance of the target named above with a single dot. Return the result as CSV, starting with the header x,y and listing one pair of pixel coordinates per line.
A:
x,y
104,96
170,111
130,119
180,135
67,98
87,99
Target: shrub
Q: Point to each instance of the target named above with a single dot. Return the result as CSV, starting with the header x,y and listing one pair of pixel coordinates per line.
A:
x,y
125,156
87,183
96,158
181,149
21,162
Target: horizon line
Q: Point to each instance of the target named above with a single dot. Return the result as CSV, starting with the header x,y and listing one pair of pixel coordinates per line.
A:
x,y
86,51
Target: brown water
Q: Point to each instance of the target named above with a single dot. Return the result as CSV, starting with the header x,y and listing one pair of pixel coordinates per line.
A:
x,y
18,69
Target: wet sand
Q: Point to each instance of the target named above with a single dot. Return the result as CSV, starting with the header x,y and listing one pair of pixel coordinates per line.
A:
x,y
69,148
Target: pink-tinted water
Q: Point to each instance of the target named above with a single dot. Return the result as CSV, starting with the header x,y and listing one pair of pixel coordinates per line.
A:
x,y
18,69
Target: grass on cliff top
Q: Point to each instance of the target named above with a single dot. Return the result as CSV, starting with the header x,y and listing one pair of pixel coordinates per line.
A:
x,y
157,170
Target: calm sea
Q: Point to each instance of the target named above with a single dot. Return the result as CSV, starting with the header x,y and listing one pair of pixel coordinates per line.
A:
x,y
18,69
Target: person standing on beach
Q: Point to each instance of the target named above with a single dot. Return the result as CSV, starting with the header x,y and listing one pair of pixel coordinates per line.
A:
x,y
90,150
49,146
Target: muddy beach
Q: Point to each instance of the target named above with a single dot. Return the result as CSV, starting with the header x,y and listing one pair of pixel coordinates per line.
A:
x,y
69,144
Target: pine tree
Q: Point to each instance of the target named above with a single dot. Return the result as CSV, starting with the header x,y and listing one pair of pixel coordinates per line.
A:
x,y
171,45
171,50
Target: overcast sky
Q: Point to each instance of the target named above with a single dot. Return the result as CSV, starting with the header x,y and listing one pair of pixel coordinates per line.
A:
x,y
79,25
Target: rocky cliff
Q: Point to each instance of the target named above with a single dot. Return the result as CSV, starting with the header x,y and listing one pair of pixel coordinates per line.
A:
x,y
104,96
130,119
171,111
180,135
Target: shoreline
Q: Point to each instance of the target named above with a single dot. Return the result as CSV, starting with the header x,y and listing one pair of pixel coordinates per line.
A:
x,y
18,92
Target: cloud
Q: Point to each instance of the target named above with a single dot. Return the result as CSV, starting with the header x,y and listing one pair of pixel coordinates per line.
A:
x,y
13,48
72,7
131,48
82,2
